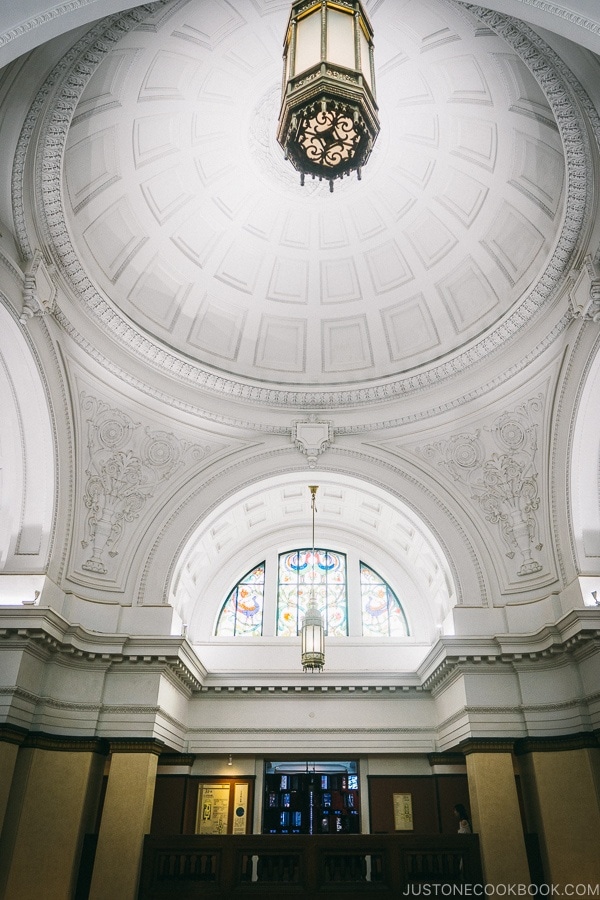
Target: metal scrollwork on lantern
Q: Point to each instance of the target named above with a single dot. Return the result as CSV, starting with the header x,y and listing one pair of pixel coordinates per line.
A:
x,y
328,122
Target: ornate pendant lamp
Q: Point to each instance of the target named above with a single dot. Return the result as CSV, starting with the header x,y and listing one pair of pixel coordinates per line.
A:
x,y
313,632
328,121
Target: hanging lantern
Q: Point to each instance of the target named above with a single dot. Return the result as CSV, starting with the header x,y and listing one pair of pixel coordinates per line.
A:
x,y
328,121
313,639
313,631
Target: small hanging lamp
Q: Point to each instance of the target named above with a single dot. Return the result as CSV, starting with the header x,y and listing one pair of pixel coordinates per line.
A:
x,y
328,121
313,632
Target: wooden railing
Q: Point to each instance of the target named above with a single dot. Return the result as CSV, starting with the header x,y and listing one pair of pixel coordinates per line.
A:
x,y
189,867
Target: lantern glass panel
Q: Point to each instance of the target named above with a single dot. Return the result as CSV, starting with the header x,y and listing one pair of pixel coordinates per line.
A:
x,y
308,42
365,59
340,39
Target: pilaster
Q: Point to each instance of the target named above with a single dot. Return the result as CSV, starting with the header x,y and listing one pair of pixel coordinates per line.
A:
x,y
126,818
54,786
495,811
564,781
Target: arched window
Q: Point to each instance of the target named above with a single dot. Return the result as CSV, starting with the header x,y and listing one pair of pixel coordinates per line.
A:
x,y
382,614
325,573
242,612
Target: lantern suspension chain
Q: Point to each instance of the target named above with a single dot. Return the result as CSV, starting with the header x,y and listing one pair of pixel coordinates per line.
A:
x,y
313,488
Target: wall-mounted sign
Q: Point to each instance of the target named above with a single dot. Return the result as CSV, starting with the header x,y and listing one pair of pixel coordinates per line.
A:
x,y
403,815
213,808
240,808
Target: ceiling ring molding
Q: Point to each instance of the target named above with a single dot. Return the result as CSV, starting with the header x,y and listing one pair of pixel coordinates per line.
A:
x,y
568,15
506,28
83,49
480,390
561,90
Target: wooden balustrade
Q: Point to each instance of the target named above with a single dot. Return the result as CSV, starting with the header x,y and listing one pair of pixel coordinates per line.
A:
x,y
191,867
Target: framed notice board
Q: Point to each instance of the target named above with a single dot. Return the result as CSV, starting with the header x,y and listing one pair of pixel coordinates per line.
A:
x,y
222,806
403,814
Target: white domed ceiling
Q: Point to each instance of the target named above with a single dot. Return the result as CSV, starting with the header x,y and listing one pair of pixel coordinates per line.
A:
x,y
186,215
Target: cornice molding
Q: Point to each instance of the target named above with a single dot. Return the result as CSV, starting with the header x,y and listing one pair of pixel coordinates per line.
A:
x,y
452,656
168,758
70,80
449,758
42,628
136,745
39,740
520,746
584,740
486,745
359,731
12,734
577,631
568,15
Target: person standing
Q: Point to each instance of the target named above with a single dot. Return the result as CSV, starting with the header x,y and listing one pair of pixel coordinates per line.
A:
x,y
464,825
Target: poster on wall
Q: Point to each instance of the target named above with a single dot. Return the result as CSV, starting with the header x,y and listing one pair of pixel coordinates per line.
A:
x,y
403,815
240,807
213,808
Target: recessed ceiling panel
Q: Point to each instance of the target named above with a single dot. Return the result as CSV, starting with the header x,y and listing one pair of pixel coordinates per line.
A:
x,y
189,220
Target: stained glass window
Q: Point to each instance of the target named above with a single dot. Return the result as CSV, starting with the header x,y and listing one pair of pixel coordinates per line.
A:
x,y
325,573
382,614
242,612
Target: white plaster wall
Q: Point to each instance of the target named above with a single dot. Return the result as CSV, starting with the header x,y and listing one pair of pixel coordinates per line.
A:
x,y
27,459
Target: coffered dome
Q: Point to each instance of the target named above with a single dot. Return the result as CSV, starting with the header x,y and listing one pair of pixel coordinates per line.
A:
x,y
184,213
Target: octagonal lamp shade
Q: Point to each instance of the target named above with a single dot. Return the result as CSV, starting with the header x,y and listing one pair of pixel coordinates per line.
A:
x,y
328,121
313,639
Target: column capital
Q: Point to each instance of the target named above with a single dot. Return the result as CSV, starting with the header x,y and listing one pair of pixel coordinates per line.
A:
x,y
12,734
170,758
581,741
451,758
486,745
136,745
39,740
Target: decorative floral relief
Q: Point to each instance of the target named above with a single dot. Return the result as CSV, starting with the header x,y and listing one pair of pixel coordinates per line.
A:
x,y
127,462
498,466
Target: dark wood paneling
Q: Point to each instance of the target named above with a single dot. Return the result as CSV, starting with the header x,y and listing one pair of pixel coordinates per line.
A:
x,y
433,801
176,801
424,802
452,789
169,798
